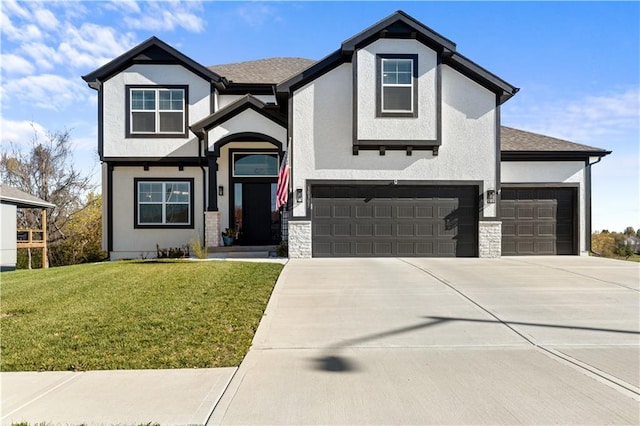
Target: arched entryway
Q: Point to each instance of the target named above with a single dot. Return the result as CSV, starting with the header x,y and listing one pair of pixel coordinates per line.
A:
x,y
248,164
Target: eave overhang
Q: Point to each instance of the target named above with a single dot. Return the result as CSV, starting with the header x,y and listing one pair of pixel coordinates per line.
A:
x,y
552,155
151,51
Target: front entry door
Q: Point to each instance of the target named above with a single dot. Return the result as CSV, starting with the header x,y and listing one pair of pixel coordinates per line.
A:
x,y
256,213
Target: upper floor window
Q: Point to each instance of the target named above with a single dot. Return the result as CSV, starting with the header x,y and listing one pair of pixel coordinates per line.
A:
x,y
157,111
397,86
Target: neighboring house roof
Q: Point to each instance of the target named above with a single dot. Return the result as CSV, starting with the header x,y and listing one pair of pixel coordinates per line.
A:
x,y
401,25
519,144
9,195
153,50
262,71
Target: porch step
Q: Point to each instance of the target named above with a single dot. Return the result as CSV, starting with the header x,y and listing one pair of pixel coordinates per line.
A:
x,y
239,252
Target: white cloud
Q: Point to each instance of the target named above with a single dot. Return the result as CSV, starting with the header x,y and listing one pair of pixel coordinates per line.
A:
x,y
14,64
256,14
126,6
43,55
93,45
19,132
167,16
585,120
12,8
46,19
47,91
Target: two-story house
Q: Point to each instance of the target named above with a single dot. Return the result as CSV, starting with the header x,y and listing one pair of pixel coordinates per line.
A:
x,y
394,145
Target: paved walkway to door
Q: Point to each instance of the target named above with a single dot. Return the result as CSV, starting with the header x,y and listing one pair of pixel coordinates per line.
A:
x,y
535,340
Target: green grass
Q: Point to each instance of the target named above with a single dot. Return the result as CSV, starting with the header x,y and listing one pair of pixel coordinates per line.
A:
x,y
132,315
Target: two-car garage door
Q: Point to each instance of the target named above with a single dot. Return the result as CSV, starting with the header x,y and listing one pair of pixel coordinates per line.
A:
x,y
394,220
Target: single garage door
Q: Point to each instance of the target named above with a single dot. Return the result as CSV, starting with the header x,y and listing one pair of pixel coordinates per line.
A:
x,y
393,220
538,221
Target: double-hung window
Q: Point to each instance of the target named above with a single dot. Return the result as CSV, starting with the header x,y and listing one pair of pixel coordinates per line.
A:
x,y
397,90
157,111
161,203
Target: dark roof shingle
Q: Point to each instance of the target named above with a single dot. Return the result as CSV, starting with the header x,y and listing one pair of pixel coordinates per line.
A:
x,y
262,71
515,140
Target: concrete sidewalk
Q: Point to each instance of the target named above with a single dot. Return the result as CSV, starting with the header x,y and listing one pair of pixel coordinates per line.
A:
x,y
444,341
120,397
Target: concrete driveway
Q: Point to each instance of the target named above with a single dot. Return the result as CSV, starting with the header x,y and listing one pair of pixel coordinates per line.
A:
x,y
533,340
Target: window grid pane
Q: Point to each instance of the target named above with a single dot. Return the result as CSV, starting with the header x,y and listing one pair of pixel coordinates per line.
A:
x,y
397,85
164,110
164,203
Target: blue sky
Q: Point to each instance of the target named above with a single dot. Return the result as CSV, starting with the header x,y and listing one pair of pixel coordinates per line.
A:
x,y
577,64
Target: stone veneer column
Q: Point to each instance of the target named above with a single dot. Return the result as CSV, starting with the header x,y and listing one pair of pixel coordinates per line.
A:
x,y
212,229
299,239
490,238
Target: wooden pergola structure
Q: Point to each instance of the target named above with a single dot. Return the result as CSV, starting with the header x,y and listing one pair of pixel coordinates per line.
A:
x,y
12,199
35,238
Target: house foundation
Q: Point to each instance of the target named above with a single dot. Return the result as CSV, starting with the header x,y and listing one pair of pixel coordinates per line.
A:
x,y
489,239
212,229
299,239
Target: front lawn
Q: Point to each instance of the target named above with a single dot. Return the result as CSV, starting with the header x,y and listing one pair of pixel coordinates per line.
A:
x,y
132,315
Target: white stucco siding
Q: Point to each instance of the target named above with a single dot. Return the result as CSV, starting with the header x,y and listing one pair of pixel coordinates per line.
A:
x,y
420,128
248,121
549,172
225,100
115,110
468,132
323,140
131,242
8,228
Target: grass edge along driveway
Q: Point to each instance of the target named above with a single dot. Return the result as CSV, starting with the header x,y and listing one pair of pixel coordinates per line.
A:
x,y
132,315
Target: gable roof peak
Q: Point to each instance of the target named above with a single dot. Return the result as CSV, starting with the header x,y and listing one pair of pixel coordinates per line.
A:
x,y
409,27
152,50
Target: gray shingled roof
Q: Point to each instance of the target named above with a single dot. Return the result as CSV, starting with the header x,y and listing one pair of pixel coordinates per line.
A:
x,y
263,71
20,198
520,140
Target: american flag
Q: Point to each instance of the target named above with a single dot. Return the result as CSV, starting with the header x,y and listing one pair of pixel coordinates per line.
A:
x,y
282,192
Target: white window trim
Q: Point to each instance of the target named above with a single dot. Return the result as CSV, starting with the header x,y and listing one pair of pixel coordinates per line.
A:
x,y
383,85
157,110
163,203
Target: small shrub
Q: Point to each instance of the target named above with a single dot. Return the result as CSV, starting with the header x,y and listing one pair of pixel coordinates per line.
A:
x,y
172,252
283,249
198,249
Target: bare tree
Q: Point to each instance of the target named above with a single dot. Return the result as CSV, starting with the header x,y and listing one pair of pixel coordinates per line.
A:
x,y
45,170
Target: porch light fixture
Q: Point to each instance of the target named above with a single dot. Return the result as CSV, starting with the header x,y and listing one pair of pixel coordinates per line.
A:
x,y
298,195
491,196
221,190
